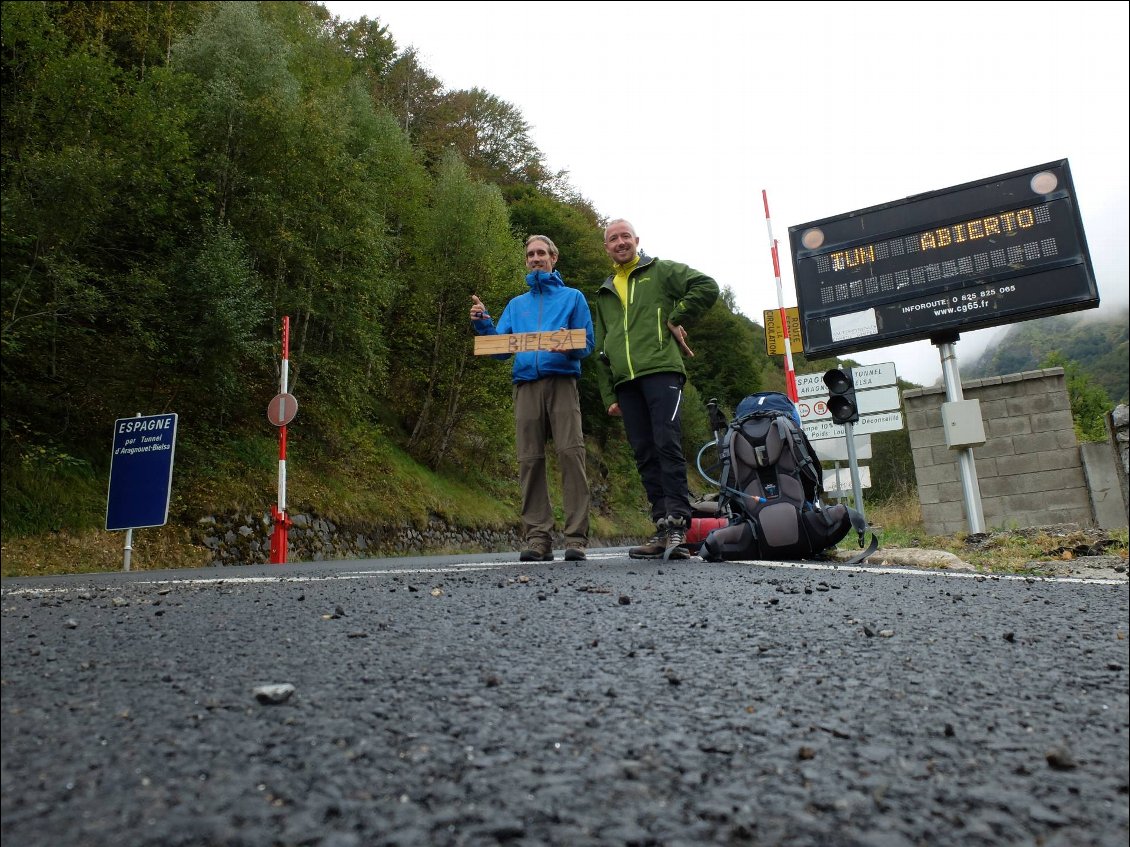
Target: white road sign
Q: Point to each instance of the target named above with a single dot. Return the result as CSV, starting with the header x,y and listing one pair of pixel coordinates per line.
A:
x,y
874,376
835,449
864,376
868,402
810,385
837,482
881,422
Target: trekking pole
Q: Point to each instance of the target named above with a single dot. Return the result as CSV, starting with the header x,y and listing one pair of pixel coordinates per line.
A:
x,y
790,374
716,418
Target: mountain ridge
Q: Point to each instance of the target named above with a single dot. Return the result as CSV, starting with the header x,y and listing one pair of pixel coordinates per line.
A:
x,y
1098,343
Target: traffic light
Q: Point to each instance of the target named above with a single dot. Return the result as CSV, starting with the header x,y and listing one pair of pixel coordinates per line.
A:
x,y
841,396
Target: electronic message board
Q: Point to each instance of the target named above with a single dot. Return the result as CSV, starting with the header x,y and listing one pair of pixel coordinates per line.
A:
x,y
998,250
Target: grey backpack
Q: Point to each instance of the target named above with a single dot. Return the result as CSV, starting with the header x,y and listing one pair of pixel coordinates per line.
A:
x,y
770,487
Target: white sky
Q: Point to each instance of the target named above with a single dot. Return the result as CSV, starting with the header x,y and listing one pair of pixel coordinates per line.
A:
x,y
677,115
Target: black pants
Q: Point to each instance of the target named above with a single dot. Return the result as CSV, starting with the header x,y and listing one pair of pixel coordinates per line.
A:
x,y
651,406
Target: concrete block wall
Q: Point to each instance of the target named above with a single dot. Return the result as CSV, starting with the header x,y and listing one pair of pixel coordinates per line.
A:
x,y
1118,431
1029,469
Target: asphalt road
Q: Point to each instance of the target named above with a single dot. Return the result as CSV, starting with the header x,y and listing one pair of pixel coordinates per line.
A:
x,y
475,700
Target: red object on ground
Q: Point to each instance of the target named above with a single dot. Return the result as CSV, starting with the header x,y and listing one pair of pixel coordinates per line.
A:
x,y
701,527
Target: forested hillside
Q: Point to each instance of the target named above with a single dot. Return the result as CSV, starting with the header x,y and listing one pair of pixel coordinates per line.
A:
x,y
177,177
1096,341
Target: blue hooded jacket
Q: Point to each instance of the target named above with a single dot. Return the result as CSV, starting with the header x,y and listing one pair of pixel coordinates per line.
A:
x,y
549,305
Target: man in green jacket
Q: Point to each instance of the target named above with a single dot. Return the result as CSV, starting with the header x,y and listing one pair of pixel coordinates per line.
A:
x,y
639,320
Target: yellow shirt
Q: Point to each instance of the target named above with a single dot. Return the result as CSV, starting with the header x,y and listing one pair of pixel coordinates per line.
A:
x,y
621,279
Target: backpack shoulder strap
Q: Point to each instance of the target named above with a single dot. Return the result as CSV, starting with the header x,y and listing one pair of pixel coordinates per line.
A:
x,y
805,457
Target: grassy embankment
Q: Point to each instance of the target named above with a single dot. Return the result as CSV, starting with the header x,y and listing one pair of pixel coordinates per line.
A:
x,y
54,508
54,505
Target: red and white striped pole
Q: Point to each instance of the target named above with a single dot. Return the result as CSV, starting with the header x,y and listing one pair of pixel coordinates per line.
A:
x,y
282,522
790,374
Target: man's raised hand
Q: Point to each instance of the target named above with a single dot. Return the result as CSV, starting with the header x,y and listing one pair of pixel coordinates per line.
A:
x,y
478,310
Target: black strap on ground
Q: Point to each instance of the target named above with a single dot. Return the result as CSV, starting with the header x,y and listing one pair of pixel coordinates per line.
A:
x,y
859,558
859,523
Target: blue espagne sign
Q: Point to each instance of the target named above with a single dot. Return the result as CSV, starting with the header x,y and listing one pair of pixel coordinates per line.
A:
x,y
141,472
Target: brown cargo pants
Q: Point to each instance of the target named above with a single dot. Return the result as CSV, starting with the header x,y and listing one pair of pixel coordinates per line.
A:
x,y
544,409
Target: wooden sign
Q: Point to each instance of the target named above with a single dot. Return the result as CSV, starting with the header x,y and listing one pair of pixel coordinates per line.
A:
x,y
528,342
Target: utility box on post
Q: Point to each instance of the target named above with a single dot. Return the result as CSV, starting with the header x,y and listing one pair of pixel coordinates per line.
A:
x,y
961,421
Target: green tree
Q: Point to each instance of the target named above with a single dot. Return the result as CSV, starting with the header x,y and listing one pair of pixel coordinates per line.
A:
x,y
493,138
892,466
247,106
1089,402
414,97
211,329
369,46
320,185
469,250
95,191
728,363
136,36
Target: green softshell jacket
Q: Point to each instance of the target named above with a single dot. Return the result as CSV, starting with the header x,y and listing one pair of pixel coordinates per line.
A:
x,y
634,342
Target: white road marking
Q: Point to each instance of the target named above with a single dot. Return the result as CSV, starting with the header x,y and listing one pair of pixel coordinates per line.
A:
x,y
468,567
830,566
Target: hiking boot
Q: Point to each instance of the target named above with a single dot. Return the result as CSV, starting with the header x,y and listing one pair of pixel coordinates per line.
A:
x,y
655,546
537,550
574,551
676,539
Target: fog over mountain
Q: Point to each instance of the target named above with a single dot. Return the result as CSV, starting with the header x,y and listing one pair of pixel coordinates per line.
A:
x,y
1096,339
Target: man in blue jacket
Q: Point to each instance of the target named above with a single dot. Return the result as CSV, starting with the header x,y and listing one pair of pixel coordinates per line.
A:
x,y
547,401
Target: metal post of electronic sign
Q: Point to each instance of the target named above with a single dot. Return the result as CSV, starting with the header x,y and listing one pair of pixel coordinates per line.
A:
x,y
790,373
966,466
